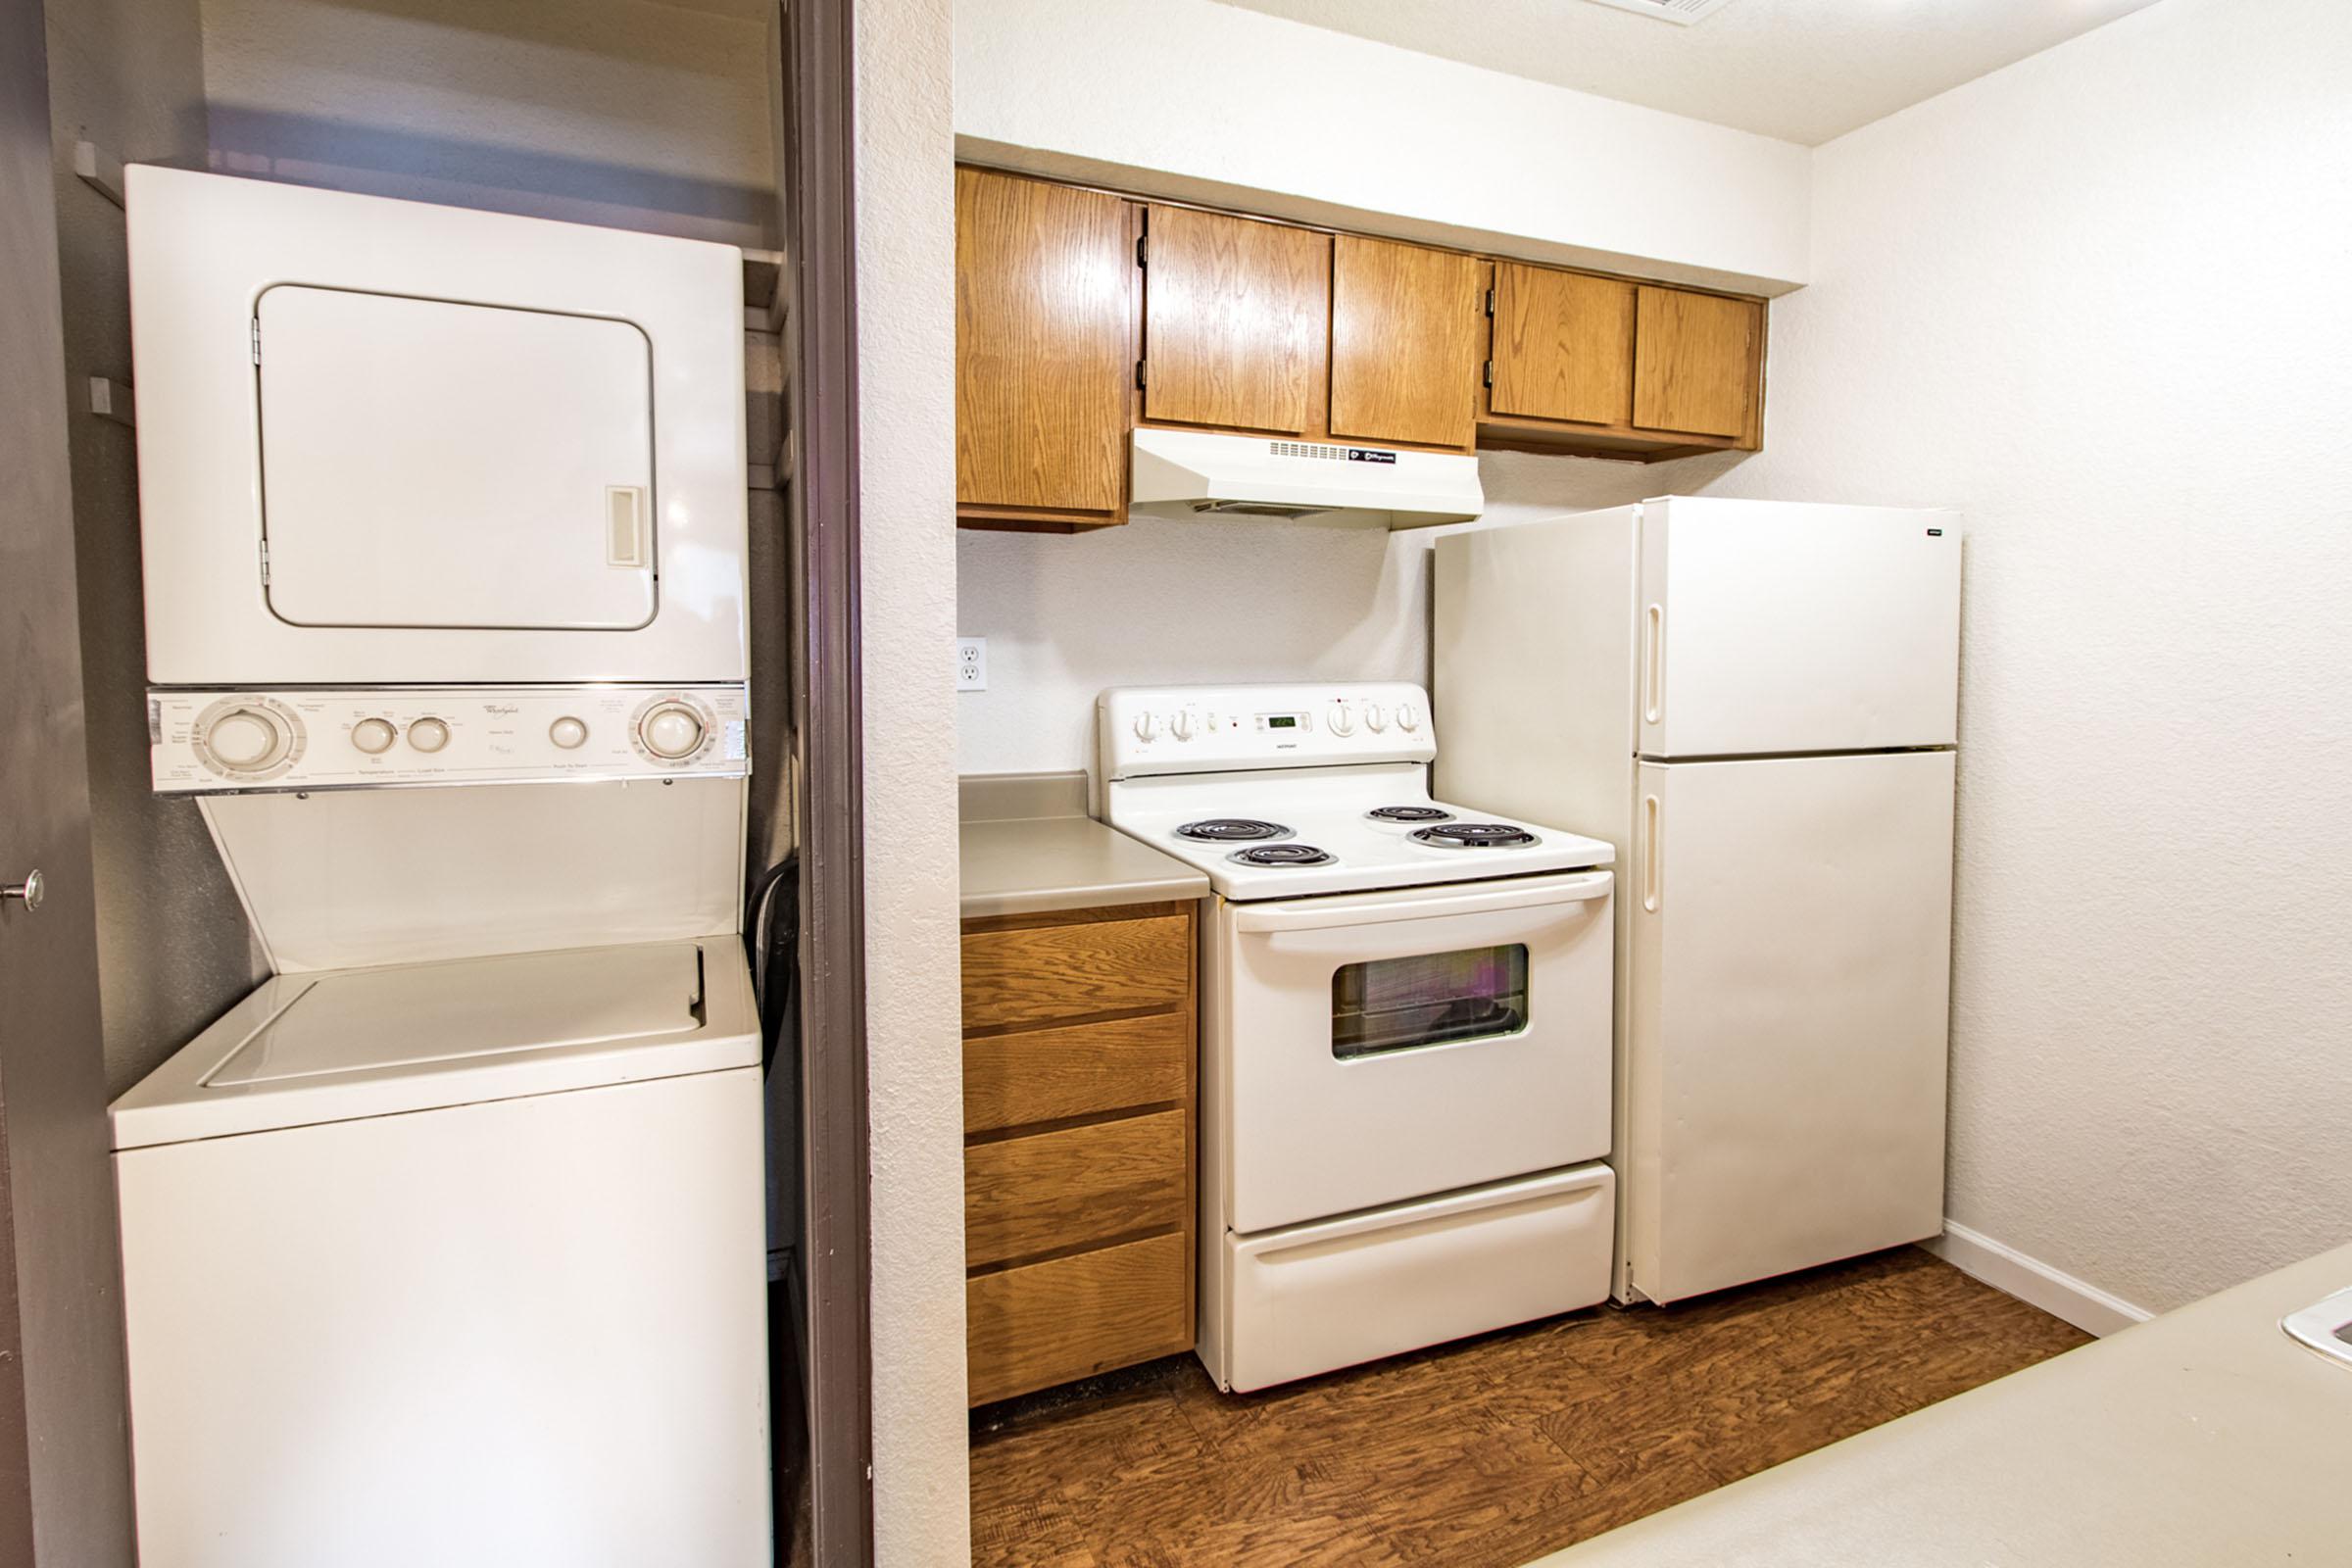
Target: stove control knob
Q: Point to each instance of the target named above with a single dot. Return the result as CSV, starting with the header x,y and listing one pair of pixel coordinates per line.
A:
x,y
1146,726
672,731
569,733
428,734
1342,720
374,736
1409,718
1182,723
1376,717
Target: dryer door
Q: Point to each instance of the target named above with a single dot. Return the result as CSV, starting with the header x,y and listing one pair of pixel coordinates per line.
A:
x,y
431,464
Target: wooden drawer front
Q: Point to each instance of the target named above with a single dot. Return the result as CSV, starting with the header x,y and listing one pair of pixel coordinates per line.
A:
x,y
1050,973
1087,1069
1071,1317
1058,1191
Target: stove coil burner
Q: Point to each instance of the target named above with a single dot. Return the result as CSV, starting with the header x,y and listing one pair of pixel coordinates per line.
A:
x,y
1281,855
1477,836
1232,830
1409,813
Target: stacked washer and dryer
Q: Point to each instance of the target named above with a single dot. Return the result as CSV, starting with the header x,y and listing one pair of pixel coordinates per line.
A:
x,y
446,1245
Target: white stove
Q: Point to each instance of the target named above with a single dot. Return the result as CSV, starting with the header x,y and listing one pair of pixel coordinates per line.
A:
x,y
1280,792
1405,1028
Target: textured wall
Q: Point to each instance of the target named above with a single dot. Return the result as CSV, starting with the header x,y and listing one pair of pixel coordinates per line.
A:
x,y
2099,301
173,948
626,113
1217,104
906,395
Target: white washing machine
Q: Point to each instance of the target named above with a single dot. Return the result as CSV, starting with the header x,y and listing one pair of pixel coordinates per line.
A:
x,y
447,1244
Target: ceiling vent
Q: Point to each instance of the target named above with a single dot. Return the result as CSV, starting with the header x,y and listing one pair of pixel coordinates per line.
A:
x,y
1684,12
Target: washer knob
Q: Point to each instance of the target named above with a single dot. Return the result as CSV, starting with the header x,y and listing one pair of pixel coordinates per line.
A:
x,y
1376,717
374,736
1342,720
428,734
672,731
569,733
1409,718
247,739
1146,726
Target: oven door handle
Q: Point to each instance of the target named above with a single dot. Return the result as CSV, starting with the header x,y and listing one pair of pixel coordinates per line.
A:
x,y
1315,914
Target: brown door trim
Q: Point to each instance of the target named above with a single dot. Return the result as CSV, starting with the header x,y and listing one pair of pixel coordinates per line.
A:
x,y
820,193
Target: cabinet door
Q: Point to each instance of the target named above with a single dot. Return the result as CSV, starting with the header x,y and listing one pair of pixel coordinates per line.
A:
x,y
1694,361
1237,317
1044,339
1404,331
1563,346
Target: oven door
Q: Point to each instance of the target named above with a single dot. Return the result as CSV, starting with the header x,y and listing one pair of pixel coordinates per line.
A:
x,y
1377,1047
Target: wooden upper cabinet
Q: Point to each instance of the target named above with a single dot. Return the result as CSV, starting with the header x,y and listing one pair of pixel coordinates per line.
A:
x,y
1237,315
1695,363
1563,346
1044,325
1405,322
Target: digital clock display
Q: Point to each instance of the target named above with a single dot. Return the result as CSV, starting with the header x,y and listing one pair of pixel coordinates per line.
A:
x,y
1283,721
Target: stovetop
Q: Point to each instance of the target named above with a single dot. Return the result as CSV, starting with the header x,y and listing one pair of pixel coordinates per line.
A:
x,y
1281,791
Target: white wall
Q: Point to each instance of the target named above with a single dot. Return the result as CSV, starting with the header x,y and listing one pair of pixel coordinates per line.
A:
x,y
630,113
1190,99
905,231
2098,300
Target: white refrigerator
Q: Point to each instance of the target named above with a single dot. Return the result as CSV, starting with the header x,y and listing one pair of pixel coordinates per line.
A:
x,y
1755,702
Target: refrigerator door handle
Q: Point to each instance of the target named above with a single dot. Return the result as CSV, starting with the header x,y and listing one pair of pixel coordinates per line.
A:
x,y
1653,664
1649,854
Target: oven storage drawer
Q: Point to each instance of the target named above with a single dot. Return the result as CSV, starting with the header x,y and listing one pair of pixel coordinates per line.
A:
x,y
1077,1187
1312,1297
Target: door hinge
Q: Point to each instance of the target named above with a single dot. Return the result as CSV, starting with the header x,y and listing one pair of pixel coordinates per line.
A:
x,y
265,562
1490,302
257,340
1489,379
1143,244
1139,375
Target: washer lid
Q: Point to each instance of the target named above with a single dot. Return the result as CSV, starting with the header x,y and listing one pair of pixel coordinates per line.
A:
x,y
304,1048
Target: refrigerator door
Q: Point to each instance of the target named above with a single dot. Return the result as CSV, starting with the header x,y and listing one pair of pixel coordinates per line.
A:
x,y
1787,1015
1765,628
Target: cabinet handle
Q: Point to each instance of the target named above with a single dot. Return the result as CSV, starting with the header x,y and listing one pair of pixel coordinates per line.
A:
x,y
1653,664
1650,853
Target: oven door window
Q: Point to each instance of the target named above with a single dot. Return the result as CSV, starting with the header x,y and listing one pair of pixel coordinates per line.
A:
x,y
1431,998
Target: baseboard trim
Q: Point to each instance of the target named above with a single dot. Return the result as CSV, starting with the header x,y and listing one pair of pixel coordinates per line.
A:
x,y
2031,1280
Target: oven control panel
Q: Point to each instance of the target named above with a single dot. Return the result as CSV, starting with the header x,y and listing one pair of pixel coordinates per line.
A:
x,y
1143,730
214,741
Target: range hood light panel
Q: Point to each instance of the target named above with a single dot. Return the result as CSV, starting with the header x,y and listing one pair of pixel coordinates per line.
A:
x,y
1200,473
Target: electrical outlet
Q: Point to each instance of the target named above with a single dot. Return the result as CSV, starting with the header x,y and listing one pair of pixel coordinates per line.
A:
x,y
972,663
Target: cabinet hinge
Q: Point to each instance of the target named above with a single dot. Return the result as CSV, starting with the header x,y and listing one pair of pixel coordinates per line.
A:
x,y
1490,302
1143,248
265,562
1139,375
257,340
1489,374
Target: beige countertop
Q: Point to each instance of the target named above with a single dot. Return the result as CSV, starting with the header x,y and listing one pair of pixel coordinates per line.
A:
x,y
2202,1439
1028,846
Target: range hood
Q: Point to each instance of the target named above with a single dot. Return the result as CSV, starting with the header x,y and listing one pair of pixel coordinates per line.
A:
x,y
1189,473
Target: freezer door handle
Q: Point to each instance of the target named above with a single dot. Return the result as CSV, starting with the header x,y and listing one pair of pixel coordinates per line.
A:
x,y
1653,664
1310,916
1650,852
2325,1326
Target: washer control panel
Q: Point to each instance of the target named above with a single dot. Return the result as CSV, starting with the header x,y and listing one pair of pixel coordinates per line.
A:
x,y
206,742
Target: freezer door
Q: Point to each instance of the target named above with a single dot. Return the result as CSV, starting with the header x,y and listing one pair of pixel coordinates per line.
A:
x,y
1786,1026
1768,628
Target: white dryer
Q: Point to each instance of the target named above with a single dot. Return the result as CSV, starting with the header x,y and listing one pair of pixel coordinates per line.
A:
x,y
447,1244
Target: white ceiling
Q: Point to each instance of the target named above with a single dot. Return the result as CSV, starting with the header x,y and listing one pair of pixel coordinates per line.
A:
x,y
1804,70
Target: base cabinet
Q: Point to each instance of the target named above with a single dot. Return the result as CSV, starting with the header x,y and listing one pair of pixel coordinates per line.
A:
x,y
1079,1073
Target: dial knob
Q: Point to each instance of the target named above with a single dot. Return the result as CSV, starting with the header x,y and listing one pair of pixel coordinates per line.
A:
x,y
247,739
1147,725
569,733
1342,720
374,736
428,734
1376,717
1409,718
672,731
1182,725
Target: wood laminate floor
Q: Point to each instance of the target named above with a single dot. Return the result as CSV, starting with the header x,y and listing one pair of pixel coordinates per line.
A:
x,y
1493,1450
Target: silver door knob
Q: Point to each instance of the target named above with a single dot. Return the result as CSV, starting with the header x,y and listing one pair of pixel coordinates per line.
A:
x,y
29,890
